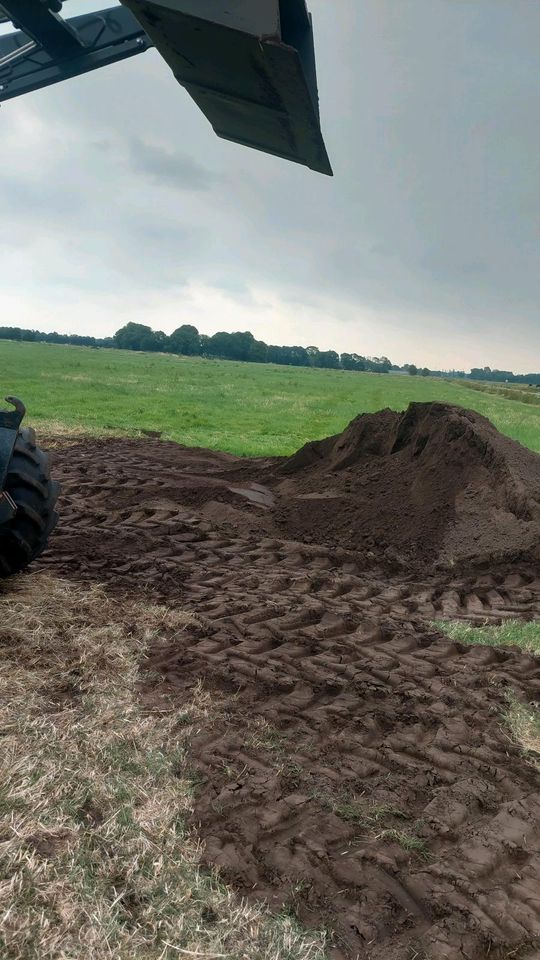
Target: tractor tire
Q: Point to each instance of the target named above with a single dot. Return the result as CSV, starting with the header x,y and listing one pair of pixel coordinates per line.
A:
x,y
29,484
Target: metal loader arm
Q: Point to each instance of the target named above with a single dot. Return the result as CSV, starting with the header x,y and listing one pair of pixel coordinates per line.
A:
x,y
46,49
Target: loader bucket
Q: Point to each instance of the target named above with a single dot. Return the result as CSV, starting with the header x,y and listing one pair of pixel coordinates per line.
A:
x,y
249,65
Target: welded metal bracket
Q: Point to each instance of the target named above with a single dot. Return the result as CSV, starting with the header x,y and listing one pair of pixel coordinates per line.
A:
x,y
10,421
47,49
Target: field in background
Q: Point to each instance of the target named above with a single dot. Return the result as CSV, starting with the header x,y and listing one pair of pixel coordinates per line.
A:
x,y
523,393
244,408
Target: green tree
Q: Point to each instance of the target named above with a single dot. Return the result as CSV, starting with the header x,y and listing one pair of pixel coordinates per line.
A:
x,y
276,354
378,364
299,357
218,345
328,359
352,361
313,356
137,336
185,340
240,345
258,352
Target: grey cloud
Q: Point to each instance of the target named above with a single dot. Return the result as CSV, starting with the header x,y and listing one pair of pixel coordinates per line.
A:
x,y
169,167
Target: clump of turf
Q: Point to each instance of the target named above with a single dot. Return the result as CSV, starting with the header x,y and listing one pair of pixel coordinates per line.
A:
x,y
512,633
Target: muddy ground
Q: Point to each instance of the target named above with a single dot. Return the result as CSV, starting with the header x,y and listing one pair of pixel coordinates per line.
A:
x,y
357,769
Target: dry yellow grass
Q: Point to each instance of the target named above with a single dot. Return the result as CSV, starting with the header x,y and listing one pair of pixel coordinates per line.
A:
x,y
523,720
53,434
95,859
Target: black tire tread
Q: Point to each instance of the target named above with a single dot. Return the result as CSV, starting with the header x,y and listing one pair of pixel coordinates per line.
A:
x,y
29,484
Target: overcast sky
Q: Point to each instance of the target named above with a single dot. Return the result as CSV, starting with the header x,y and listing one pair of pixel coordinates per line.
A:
x,y
118,203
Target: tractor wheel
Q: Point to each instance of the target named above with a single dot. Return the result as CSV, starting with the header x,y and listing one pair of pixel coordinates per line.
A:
x,y
34,494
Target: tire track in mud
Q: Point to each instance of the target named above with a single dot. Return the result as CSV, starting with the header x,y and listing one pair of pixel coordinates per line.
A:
x,y
366,778
357,767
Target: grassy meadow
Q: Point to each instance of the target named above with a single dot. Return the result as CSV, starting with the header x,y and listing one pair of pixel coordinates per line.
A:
x,y
243,408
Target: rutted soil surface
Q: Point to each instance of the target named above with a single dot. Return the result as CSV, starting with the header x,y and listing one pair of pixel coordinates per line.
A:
x,y
356,767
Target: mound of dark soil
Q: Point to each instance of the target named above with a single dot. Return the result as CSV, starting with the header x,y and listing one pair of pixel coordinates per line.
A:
x,y
436,483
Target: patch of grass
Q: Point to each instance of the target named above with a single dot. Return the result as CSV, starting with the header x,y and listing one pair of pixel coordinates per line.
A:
x,y
365,815
362,812
409,841
262,735
375,820
291,773
523,720
245,408
512,633
96,860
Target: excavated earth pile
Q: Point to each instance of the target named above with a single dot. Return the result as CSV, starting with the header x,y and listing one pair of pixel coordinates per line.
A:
x,y
437,483
356,766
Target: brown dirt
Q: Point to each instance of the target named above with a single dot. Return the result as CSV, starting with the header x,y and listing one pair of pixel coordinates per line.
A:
x,y
435,484
357,770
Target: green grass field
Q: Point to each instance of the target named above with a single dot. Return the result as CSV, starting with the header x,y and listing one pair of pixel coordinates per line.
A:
x,y
244,408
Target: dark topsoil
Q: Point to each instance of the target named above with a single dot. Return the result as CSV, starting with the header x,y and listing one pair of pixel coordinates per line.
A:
x,y
356,768
434,488
436,484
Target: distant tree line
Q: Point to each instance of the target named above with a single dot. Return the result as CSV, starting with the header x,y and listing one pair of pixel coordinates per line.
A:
x,y
18,333
187,341
503,376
